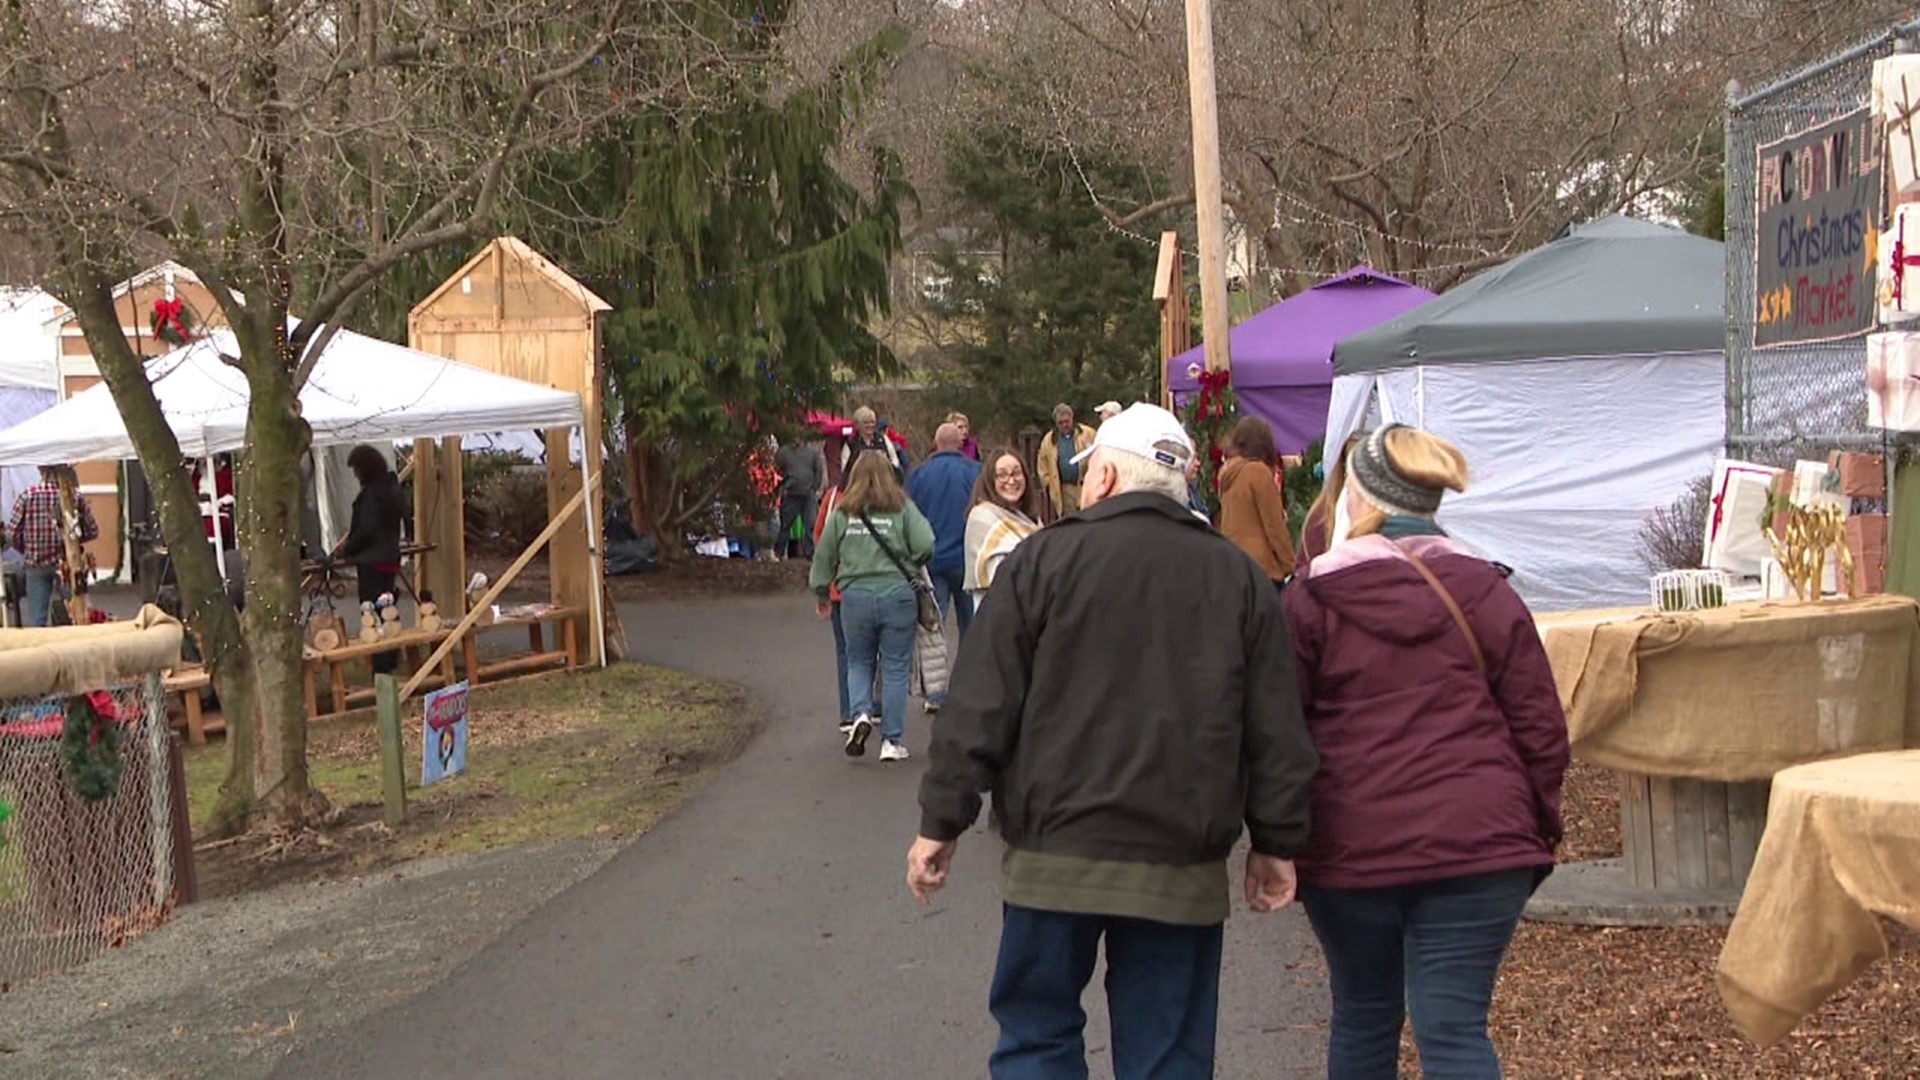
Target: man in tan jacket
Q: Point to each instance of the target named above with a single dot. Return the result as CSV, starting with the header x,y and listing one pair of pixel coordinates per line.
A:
x,y
1059,475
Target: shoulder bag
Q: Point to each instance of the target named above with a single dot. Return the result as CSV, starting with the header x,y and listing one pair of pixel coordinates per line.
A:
x,y
922,588
1453,608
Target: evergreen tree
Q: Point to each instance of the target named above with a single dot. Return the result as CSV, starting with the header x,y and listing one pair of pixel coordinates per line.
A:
x,y
744,269
1058,311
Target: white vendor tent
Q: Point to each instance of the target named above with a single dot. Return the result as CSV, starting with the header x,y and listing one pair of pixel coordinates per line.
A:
x,y
29,373
361,390
1585,381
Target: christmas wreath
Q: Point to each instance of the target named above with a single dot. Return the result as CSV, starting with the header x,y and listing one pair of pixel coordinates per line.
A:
x,y
1209,417
91,743
171,321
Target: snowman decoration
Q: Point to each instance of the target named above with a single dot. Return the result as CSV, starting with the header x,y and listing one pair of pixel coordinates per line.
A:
x,y
389,610
369,623
427,614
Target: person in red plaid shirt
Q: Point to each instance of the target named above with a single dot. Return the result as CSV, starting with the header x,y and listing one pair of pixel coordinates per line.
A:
x,y
35,531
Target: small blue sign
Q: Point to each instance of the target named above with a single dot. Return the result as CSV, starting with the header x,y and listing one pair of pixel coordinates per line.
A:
x,y
445,749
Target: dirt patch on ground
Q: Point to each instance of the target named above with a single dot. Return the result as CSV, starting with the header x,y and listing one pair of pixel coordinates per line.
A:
x,y
598,754
1614,1004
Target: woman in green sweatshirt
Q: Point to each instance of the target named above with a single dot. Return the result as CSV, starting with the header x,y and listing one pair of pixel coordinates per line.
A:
x,y
870,537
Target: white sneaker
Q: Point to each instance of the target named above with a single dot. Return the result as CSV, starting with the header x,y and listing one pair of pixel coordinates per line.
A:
x,y
857,736
933,708
846,727
893,751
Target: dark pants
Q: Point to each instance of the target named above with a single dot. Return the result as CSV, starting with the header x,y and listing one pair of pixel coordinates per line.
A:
x,y
1163,996
1432,949
801,508
372,584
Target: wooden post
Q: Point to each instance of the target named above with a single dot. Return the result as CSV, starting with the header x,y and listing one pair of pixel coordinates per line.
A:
x,y
1903,532
393,770
1206,185
76,556
439,519
1170,293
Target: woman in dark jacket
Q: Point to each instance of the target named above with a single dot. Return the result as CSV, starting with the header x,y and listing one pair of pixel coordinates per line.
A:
x,y
372,543
1436,809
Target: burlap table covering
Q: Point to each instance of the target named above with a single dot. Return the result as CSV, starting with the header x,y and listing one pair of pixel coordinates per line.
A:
x,y
1740,692
75,659
1842,848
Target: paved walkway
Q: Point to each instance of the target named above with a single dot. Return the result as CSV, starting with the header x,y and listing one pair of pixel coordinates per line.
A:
x,y
765,930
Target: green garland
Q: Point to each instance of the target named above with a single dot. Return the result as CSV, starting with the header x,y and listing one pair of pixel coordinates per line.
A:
x,y
1209,415
91,744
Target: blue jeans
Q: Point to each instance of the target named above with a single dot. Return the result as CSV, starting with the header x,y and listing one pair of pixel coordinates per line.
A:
x,y
1163,996
840,661
950,586
1432,949
879,629
42,584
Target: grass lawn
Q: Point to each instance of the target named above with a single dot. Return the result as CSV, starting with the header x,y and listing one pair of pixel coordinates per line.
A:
x,y
601,753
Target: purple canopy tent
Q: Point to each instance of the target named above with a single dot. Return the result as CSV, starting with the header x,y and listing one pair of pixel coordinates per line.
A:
x,y
1283,357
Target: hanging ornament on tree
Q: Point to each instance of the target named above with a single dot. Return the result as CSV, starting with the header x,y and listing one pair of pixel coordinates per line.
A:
x,y
90,742
171,321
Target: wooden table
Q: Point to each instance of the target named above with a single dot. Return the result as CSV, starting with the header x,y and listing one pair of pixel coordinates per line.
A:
x,y
414,645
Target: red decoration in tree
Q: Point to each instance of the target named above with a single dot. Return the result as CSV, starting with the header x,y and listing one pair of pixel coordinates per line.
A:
x,y
171,321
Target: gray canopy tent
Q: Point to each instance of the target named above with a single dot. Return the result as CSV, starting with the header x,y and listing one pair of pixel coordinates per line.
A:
x,y
1585,380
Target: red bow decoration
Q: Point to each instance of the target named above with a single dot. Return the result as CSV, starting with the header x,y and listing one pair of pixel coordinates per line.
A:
x,y
1213,392
1901,260
169,315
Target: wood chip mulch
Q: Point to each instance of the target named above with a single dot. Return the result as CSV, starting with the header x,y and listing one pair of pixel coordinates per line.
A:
x,y
1578,1003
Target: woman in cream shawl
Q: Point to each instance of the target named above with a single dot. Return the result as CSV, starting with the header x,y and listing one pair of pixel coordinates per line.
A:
x,y
1001,517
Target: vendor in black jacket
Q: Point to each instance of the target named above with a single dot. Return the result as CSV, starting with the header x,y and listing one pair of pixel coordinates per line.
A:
x,y
373,540
1127,694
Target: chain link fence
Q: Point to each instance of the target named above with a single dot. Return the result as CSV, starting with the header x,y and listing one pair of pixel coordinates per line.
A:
x,y
1796,401
78,876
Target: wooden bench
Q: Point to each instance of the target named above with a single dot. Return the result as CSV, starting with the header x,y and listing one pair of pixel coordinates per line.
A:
x,y
539,658
187,682
413,645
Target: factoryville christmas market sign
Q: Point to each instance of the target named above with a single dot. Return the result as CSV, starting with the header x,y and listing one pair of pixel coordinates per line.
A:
x,y
1818,233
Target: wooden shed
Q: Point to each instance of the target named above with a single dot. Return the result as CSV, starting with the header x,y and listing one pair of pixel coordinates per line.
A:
x,y
511,311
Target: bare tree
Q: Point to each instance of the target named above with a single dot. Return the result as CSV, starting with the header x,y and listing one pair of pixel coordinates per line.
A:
x,y
1431,138
290,152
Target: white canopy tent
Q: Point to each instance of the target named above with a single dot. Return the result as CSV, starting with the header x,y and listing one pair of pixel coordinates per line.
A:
x,y
361,390
29,372
1584,380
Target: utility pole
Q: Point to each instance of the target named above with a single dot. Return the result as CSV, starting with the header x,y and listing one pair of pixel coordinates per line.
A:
x,y
1206,185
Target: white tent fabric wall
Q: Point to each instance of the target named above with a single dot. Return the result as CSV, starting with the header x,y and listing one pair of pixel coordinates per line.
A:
x,y
29,374
1568,458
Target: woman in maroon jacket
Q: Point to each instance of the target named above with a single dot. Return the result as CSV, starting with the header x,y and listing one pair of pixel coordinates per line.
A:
x,y
1436,809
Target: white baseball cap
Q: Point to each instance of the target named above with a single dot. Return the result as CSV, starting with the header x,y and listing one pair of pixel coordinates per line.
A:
x,y
1147,430
1107,409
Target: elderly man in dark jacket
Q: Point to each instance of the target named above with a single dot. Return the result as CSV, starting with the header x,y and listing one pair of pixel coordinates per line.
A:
x,y
1127,695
